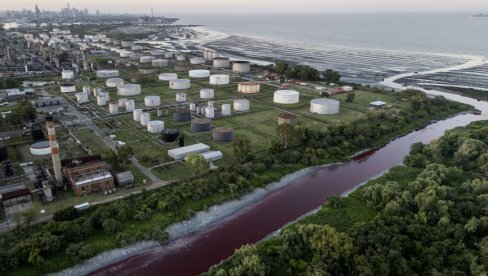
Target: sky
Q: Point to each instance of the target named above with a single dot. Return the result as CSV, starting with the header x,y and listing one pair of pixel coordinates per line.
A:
x,y
255,6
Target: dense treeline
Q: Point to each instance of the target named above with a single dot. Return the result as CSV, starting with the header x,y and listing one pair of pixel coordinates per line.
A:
x,y
74,235
305,72
22,112
7,83
433,221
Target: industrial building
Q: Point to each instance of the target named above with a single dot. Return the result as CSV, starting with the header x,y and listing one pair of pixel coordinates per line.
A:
x,y
88,175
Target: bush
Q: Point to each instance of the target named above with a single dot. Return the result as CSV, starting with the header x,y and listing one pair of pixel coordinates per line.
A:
x,y
79,251
110,225
67,214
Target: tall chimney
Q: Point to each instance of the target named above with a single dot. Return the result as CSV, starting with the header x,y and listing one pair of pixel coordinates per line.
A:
x,y
54,150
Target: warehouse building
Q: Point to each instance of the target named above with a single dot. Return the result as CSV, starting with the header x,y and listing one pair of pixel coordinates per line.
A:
x,y
88,175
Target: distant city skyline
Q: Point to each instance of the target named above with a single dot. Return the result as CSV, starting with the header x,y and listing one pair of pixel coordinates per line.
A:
x,y
254,6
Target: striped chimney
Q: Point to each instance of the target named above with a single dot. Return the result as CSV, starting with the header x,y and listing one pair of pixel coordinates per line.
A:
x,y
54,150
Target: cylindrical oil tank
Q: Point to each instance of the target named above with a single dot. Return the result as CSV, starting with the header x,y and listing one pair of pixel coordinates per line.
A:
x,y
3,152
114,82
152,101
113,108
145,118
182,67
197,60
146,59
37,134
207,93
129,89
181,115
248,87
210,103
67,74
122,102
86,89
286,97
223,134
169,55
219,79
179,84
68,88
221,62
147,70
38,149
180,97
155,126
158,52
181,58
193,107
115,41
136,114
201,125
287,118
209,112
130,105
241,105
106,74
159,62
136,48
241,66
169,135
168,76
226,111
209,54
199,73
96,91
324,106
105,96
125,54
127,43
101,100
82,98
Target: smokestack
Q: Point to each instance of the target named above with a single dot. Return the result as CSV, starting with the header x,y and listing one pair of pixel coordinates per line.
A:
x,y
54,150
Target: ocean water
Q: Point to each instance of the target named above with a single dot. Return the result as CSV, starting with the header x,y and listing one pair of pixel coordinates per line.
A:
x,y
454,33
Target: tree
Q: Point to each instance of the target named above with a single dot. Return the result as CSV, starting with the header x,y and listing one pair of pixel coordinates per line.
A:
x,y
196,164
110,225
334,201
79,251
350,97
281,66
331,76
287,133
241,150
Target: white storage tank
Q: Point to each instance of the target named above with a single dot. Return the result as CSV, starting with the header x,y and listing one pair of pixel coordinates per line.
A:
x,y
86,89
179,84
169,55
193,107
181,58
114,82
145,118
136,114
199,73
207,93
113,108
324,106
159,62
241,105
158,52
241,66
101,100
209,54
155,126
106,74
129,89
226,111
122,102
130,105
136,48
146,59
180,97
286,97
147,70
96,91
127,43
248,87
221,62
105,96
168,76
67,88
82,98
197,60
125,54
67,74
219,79
152,101
209,112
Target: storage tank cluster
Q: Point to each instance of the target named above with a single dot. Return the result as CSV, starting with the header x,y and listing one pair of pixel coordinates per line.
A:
x,y
179,84
221,62
248,87
67,88
241,66
159,62
207,93
113,108
324,106
197,60
82,98
219,79
155,126
287,118
201,125
167,76
151,101
67,74
180,97
129,89
199,73
241,105
286,97
106,74
181,115
223,134
114,82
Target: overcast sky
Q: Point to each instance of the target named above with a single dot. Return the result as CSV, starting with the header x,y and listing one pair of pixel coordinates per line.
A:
x,y
253,6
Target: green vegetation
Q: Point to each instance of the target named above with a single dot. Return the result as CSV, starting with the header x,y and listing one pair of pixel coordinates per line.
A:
x,y
427,217
468,92
22,112
7,83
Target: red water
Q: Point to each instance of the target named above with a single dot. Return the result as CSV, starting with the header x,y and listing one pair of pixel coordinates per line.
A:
x,y
196,253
